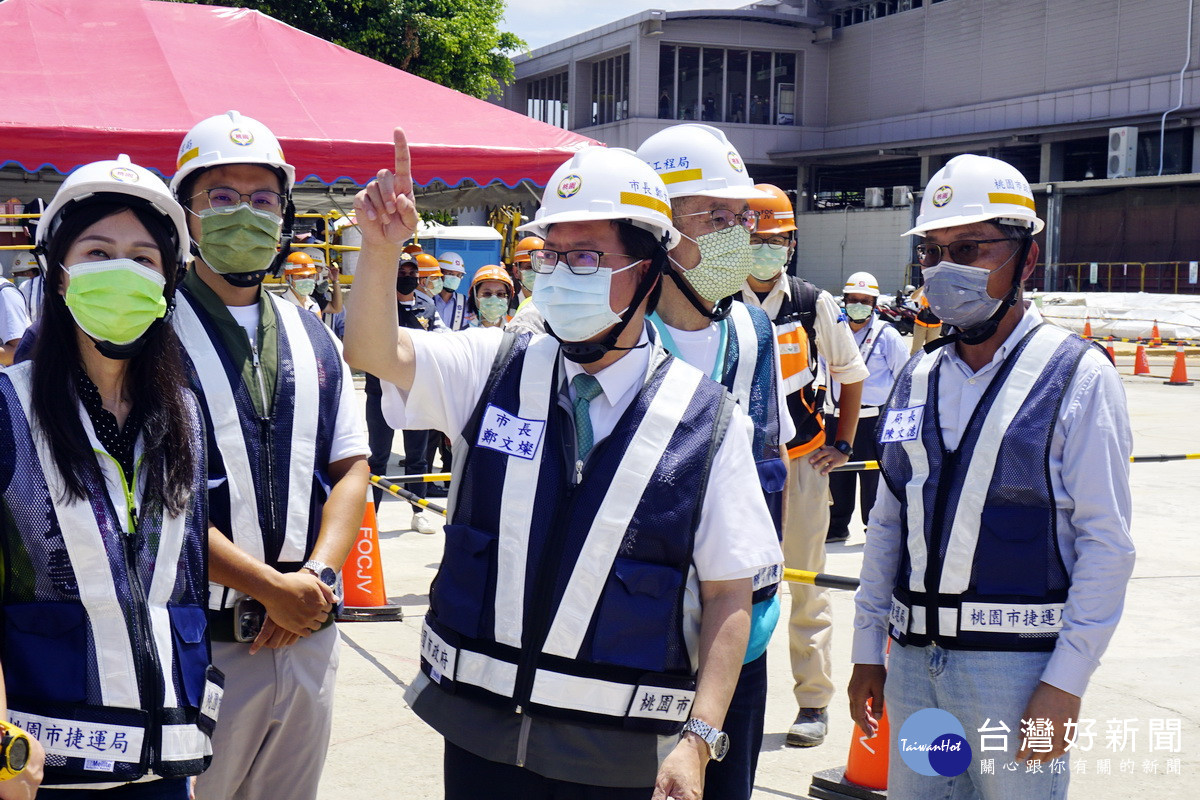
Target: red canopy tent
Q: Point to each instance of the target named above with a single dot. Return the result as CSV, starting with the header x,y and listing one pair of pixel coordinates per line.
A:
x,y
87,79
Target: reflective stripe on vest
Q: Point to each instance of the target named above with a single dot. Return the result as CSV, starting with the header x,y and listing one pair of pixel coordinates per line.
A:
x,y
304,425
794,365
747,364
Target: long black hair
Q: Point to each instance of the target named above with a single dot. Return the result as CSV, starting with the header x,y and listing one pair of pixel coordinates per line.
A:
x,y
155,381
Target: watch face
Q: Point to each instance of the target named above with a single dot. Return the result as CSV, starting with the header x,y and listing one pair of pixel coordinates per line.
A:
x,y
328,577
18,754
721,746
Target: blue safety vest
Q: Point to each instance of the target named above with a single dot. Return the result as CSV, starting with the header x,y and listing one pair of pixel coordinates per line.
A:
x,y
104,646
567,587
985,571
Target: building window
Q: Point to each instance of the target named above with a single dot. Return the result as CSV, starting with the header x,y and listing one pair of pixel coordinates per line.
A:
x,y
712,84
867,10
610,89
546,99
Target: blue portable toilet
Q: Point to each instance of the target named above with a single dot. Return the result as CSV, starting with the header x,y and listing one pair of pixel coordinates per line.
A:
x,y
479,245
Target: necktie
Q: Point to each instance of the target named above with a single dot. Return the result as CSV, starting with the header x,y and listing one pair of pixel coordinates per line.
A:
x,y
586,388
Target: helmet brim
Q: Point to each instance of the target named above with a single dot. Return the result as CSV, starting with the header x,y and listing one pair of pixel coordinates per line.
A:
x,y
540,227
971,219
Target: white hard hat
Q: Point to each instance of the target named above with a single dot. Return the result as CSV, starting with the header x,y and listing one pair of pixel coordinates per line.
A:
x,y
695,159
116,177
599,183
25,260
230,138
973,188
861,283
452,261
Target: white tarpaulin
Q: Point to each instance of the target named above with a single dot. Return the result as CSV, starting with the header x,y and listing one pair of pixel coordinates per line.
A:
x,y
1123,315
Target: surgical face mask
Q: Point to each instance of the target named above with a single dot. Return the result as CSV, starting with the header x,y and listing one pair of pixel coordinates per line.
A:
x,y
766,262
528,279
322,287
304,286
859,312
115,301
724,263
576,306
958,294
406,284
492,308
435,285
237,241
450,282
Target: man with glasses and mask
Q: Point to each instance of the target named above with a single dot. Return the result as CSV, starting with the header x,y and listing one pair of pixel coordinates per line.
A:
x,y
1006,444
287,464
590,613
813,337
735,345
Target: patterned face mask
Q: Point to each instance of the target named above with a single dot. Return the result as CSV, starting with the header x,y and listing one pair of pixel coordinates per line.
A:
x,y
724,263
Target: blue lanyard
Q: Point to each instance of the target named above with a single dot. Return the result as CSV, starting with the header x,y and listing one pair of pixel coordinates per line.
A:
x,y
668,343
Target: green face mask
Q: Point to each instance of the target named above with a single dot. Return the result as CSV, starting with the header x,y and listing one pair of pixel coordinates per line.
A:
x,y
435,285
492,308
766,262
115,301
241,240
528,277
304,286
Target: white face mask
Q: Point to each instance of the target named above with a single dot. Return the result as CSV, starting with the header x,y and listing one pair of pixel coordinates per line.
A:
x,y
577,306
958,294
724,263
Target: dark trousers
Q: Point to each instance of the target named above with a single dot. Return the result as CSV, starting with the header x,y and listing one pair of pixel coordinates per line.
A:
x,y
841,484
732,778
162,789
438,444
380,436
466,776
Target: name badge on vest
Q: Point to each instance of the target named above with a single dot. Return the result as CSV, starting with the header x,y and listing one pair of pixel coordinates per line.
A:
x,y
510,434
901,424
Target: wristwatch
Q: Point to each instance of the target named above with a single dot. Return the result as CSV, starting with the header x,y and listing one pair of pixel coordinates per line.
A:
x,y
717,741
325,573
14,750
844,447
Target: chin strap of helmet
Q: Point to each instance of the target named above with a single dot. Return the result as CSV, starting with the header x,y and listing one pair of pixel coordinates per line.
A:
x,y
717,313
589,352
980,333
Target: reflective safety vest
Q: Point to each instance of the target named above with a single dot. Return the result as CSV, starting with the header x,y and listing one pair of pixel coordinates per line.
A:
x,y
803,378
865,349
276,465
566,588
104,646
983,570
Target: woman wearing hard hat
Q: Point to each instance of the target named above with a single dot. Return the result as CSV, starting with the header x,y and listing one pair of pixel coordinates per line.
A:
x,y
104,577
487,302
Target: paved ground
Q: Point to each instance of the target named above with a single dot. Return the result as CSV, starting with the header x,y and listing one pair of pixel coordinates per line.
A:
x,y
381,751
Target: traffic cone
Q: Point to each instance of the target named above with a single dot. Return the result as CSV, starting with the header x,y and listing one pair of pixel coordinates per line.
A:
x,y
1087,328
1112,354
363,592
867,764
1179,371
1140,365
1155,339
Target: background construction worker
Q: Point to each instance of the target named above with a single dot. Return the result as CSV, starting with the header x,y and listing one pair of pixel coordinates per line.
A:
x,y
414,309
287,465
1009,445
429,273
531,585
451,304
489,297
27,275
884,353
808,323
735,345
301,275
103,506
526,273
926,326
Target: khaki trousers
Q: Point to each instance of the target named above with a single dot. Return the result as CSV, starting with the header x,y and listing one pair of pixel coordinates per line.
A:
x,y
809,626
922,335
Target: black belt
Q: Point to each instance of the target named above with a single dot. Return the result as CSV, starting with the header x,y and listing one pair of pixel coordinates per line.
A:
x,y
221,622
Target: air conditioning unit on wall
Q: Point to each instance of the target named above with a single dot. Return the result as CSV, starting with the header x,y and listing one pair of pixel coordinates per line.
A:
x,y
901,196
1122,152
874,197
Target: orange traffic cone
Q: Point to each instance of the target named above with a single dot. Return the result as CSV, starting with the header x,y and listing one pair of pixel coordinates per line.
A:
x,y
1087,328
1112,354
362,576
1140,365
1155,339
1179,371
867,764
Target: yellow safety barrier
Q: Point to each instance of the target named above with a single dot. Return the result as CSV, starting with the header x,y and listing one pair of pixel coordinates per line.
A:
x,y
405,494
820,579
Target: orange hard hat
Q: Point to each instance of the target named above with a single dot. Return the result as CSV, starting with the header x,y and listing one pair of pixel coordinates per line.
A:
x,y
775,213
299,264
427,265
492,272
521,253
413,248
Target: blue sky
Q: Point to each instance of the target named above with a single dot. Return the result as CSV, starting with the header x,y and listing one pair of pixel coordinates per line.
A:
x,y
539,22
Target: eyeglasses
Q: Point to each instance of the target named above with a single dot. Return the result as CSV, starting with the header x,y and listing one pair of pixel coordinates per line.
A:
x,y
964,251
222,198
723,219
580,262
775,243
